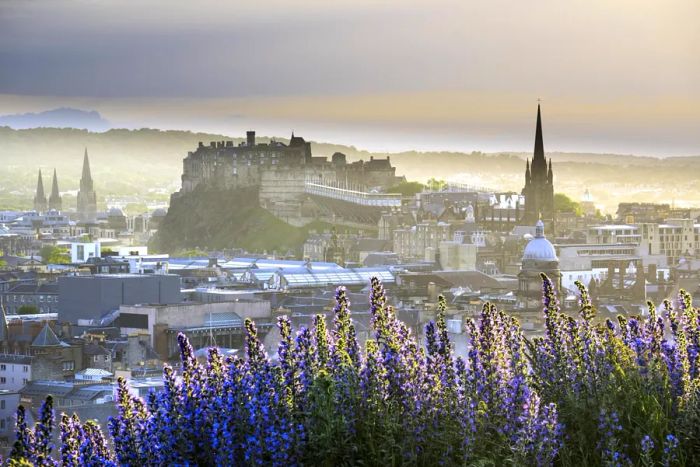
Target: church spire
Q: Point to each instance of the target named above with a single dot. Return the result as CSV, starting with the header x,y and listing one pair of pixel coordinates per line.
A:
x,y
87,199
550,175
527,172
40,198
87,176
539,144
55,198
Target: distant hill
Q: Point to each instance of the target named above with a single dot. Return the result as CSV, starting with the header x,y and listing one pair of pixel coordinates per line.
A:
x,y
63,117
126,162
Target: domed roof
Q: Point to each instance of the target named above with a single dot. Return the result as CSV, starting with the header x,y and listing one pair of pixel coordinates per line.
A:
x,y
539,248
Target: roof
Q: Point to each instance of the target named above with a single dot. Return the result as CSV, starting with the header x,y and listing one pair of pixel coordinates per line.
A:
x,y
539,248
475,280
95,372
34,288
95,349
348,277
46,338
16,358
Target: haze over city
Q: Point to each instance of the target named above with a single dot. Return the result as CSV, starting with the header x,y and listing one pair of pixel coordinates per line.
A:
x,y
377,233
614,77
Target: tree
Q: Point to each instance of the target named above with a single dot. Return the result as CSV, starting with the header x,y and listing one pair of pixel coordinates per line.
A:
x,y
51,254
563,203
407,188
27,310
436,185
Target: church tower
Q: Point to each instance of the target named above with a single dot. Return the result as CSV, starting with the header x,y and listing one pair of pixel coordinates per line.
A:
x,y
40,197
87,199
539,182
55,198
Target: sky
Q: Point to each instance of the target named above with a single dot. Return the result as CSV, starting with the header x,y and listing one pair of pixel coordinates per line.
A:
x,y
619,76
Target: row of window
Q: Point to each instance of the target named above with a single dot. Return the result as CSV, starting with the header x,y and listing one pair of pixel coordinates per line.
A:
x,y
3,367
23,298
3,380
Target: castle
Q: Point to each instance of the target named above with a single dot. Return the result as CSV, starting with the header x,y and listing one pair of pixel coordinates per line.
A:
x,y
279,172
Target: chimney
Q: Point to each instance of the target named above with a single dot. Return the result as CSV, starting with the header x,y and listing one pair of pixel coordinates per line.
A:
x,y
250,136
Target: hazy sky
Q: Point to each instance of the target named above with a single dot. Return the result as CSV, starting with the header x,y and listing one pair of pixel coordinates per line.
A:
x,y
614,75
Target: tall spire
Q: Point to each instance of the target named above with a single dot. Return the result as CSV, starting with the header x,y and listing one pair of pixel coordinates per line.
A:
x,y
539,144
87,199
55,198
87,176
40,198
550,175
527,172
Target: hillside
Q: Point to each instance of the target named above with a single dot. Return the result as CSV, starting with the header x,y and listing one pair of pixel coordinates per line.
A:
x,y
148,163
224,219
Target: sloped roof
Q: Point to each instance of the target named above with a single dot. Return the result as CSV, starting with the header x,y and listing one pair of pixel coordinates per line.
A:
x,y
46,338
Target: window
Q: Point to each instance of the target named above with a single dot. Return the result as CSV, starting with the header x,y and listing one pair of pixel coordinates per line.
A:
x,y
2,404
69,365
3,380
3,367
25,369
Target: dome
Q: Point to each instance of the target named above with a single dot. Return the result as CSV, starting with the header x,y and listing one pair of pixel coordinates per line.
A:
x,y
539,248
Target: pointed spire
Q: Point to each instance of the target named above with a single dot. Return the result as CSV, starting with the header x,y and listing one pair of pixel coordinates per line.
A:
x,y
527,172
40,198
539,144
40,187
87,176
55,198
550,175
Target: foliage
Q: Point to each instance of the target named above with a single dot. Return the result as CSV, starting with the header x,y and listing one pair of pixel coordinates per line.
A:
x,y
435,184
51,254
625,393
407,188
27,310
563,203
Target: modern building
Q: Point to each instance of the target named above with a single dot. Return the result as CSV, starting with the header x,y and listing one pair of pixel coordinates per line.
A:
x,y
81,252
539,182
86,299
203,323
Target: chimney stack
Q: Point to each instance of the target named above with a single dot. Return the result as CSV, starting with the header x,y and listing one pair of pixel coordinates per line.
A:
x,y
250,135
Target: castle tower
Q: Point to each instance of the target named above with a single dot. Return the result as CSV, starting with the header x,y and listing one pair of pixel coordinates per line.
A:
x,y
55,198
539,182
87,199
40,203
